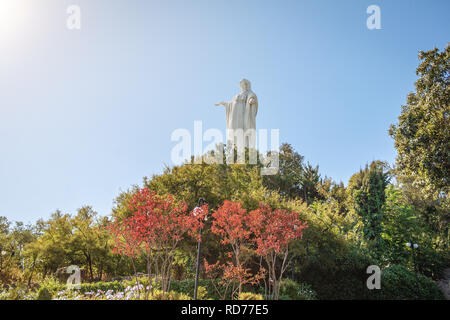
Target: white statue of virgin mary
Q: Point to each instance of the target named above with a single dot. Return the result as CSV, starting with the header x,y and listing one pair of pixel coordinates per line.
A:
x,y
241,114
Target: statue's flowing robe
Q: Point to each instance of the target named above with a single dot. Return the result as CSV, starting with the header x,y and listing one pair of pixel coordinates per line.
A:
x,y
240,114
250,112
235,113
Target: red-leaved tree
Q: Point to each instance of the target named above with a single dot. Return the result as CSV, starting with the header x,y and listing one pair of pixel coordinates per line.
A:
x,y
273,230
154,230
232,223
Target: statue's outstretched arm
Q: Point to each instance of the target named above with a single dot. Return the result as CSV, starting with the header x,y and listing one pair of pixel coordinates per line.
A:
x,y
222,104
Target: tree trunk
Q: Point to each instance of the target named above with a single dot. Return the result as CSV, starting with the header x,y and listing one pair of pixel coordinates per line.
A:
x,y
90,268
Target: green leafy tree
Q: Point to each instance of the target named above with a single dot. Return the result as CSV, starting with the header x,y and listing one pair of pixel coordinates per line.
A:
x,y
289,180
433,207
401,224
4,245
52,249
91,240
65,240
311,183
422,134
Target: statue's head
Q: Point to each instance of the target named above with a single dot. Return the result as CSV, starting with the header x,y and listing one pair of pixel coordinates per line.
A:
x,y
244,84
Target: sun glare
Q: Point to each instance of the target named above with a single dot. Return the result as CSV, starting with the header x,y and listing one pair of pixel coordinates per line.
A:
x,y
13,17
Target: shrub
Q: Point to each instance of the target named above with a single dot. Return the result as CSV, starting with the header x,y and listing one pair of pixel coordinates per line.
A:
x,y
431,263
398,283
44,294
291,290
249,296
206,289
202,293
187,287
52,285
18,292
305,292
337,277
105,286
288,289
172,295
55,287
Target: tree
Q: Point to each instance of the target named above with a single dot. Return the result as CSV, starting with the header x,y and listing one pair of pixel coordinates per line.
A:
x,y
264,231
91,240
433,208
5,256
422,135
311,182
231,224
401,224
154,230
367,189
297,180
404,222
53,248
289,180
273,231
65,240
215,183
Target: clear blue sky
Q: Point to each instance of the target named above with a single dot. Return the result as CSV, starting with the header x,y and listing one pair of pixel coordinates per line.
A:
x,y
85,114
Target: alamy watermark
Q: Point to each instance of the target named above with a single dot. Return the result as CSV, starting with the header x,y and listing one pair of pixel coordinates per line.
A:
x,y
374,281
74,280
74,19
374,20
239,144
73,22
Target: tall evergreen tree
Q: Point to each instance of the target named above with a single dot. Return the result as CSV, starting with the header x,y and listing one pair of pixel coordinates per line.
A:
x,y
367,188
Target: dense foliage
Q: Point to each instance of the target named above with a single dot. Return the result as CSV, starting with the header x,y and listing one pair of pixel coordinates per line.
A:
x,y
422,135
400,283
295,235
